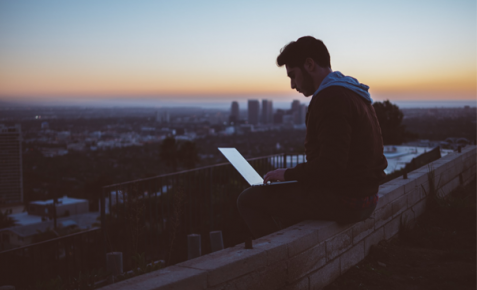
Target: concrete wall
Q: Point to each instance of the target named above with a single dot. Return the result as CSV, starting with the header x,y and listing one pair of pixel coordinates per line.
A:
x,y
312,254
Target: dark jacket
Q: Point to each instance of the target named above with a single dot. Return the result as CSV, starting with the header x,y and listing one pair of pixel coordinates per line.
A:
x,y
343,145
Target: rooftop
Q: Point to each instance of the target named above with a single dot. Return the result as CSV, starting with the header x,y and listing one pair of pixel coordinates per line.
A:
x,y
61,200
398,156
83,221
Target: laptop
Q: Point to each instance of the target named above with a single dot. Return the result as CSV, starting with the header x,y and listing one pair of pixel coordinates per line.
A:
x,y
245,169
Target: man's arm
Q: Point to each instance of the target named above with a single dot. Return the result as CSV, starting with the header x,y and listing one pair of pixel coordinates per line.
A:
x,y
275,175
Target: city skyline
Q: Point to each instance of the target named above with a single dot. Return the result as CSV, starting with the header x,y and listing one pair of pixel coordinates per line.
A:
x,y
118,52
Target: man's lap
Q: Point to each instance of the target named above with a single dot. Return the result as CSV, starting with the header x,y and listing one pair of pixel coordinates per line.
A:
x,y
291,201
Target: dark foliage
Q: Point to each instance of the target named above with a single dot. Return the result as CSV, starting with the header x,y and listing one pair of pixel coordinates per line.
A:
x,y
5,220
188,154
390,118
438,129
168,153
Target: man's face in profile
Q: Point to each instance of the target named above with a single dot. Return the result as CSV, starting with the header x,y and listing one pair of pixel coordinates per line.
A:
x,y
300,80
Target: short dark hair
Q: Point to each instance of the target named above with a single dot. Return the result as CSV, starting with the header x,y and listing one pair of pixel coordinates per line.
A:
x,y
296,52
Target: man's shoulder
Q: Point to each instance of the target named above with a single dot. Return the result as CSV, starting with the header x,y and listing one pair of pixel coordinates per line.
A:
x,y
334,95
339,95
335,91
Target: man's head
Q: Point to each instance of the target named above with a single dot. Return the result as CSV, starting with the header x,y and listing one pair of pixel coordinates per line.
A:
x,y
307,62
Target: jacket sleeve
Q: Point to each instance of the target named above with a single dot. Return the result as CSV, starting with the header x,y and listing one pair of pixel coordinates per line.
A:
x,y
329,132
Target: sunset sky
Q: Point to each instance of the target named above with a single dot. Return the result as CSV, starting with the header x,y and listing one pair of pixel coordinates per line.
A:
x,y
224,50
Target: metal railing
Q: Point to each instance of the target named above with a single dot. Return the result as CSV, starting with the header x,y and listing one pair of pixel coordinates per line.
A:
x,y
153,216
148,218
60,257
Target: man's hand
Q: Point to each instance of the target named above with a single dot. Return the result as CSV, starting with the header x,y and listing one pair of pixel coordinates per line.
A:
x,y
275,175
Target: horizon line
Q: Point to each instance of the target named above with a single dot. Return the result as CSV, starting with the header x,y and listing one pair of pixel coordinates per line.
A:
x,y
222,104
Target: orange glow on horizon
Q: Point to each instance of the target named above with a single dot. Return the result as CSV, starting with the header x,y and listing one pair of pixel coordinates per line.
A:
x,y
215,85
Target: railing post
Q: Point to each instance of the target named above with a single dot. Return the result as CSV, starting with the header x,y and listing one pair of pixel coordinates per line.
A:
x,y
284,160
103,224
114,263
211,200
193,246
216,241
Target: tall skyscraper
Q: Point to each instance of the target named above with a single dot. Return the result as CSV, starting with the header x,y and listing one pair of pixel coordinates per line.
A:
x,y
253,111
234,113
11,171
295,106
270,112
267,112
296,112
302,114
163,117
278,116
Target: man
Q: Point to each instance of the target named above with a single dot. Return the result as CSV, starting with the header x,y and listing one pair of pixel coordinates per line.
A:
x,y
343,147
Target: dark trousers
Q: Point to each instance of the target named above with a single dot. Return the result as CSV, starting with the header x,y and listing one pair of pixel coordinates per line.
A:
x,y
265,209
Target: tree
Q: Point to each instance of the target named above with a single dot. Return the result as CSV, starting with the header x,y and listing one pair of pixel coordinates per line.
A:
x,y
168,152
45,235
5,220
188,154
93,190
390,118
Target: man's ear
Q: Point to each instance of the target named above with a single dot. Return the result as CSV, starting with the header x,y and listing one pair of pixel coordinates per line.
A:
x,y
309,64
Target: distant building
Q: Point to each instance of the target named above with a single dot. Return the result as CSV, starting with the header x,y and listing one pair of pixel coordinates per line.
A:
x,y
26,233
234,113
163,117
246,128
298,112
278,116
270,112
229,130
65,206
76,146
267,112
38,220
216,118
253,111
53,151
300,115
295,106
454,143
63,136
11,171
398,156
288,119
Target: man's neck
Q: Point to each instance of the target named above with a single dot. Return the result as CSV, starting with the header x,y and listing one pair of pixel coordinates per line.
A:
x,y
320,75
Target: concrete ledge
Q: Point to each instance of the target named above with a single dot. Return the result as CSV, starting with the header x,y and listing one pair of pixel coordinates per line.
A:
x,y
311,254
172,277
326,275
228,264
352,257
306,262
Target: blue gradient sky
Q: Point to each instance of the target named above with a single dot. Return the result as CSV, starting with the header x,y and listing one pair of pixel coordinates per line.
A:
x,y
215,51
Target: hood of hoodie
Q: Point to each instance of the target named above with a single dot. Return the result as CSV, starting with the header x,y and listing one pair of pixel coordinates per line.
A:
x,y
338,79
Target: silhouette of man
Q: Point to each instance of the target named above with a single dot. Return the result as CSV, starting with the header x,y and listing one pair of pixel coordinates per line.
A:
x,y
343,146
